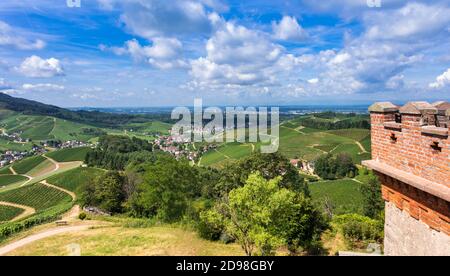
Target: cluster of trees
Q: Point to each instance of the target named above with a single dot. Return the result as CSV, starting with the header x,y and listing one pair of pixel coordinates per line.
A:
x,y
260,202
116,152
331,167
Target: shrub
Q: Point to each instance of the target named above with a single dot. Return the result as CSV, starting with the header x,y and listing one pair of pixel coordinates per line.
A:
x,y
82,216
210,226
359,228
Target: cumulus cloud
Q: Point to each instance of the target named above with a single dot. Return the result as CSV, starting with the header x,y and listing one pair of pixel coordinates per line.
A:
x,y
13,37
237,55
393,41
164,53
42,87
288,29
37,67
153,18
442,80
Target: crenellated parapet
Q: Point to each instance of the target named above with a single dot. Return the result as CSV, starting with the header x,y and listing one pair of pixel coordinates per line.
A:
x,y
411,156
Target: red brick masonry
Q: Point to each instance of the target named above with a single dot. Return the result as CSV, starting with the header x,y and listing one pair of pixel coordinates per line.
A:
x,y
411,155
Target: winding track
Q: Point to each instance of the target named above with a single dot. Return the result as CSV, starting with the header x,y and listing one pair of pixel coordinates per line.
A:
x,y
28,211
49,233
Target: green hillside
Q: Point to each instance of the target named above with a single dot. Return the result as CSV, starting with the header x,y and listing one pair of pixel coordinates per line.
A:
x,y
72,180
69,155
6,180
37,196
26,165
39,128
343,195
7,213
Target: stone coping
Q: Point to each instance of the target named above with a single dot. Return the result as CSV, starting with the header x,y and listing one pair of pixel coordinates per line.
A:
x,y
393,125
418,182
435,130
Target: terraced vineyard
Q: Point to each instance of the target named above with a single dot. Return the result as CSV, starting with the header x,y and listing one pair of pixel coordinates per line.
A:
x,y
344,195
26,165
5,170
72,180
7,213
37,196
40,128
6,180
69,155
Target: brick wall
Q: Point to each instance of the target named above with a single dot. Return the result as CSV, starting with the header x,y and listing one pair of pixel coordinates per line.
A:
x,y
411,156
407,148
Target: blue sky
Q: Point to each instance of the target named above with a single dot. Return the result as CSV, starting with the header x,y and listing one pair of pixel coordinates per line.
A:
x,y
165,53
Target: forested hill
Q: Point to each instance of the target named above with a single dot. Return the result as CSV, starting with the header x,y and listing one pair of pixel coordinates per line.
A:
x,y
100,119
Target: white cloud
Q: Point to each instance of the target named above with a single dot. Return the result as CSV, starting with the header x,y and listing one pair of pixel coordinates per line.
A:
x,y
153,18
36,67
442,80
164,53
13,37
288,29
313,81
237,55
42,87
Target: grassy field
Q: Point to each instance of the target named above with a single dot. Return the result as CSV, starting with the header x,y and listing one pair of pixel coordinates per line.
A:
x,y
344,195
37,196
26,165
117,240
69,155
5,170
73,179
7,213
6,180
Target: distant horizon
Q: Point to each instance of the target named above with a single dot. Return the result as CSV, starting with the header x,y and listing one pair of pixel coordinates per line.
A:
x,y
109,53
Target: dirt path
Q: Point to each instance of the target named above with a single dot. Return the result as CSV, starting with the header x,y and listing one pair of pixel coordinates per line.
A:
x,y
28,211
53,161
49,233
12,170
44,182
361,147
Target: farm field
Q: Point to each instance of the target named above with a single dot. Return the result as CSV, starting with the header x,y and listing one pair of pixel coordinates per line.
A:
x,y
6,180
37,196
69,155
73,179
298,142
7,213
344,195
5,170
28,164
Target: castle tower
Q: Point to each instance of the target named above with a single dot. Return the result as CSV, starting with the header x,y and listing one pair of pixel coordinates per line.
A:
x,y
411,156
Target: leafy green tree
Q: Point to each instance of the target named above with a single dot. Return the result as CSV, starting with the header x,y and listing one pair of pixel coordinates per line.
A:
x,y
331,167
167,187
373,201
106,192
262,216
269,166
